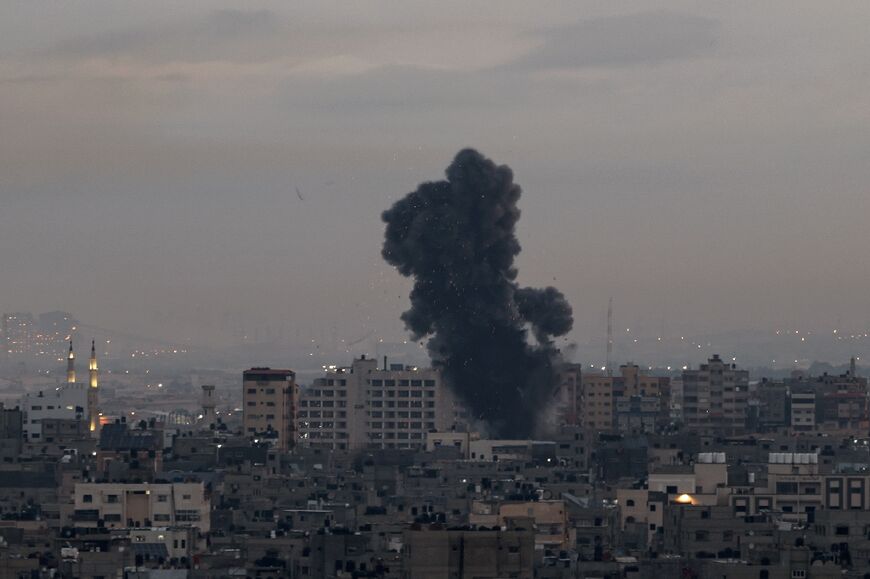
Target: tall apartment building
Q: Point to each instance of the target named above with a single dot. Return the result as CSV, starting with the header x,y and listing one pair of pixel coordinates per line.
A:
x,y
364,406
631,401
716,397
596,402
567,395
270,401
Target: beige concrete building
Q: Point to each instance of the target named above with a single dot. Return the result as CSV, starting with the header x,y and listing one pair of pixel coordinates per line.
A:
x,y
364,406
461,441
270,400
438,553
549,519
716,397
129,505
596,402
600,398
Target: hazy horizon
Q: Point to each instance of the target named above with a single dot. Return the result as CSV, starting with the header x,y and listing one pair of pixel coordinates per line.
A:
x,y
701,166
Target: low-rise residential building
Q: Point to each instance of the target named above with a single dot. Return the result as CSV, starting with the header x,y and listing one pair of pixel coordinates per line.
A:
x,y
434,552
130,505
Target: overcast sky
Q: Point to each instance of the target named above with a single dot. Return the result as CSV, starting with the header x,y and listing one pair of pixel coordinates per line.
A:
x,y
706,164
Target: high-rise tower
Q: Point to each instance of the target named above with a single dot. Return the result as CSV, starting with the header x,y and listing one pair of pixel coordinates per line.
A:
x,y
71,366
208,404
93,392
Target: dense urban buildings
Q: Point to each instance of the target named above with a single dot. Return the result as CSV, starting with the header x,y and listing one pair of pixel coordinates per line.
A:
x,y
630,402
376,470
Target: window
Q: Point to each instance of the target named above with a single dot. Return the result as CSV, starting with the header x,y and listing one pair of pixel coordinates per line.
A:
x,y
162,498
88,499
112,499
190,515
786,488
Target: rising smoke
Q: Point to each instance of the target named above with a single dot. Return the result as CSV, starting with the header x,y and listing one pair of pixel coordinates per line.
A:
x,y
456,239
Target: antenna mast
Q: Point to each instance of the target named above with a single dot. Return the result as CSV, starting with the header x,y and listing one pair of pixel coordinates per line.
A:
x,y
608,366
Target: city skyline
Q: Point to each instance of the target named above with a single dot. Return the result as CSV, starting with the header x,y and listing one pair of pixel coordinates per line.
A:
x,y
418,290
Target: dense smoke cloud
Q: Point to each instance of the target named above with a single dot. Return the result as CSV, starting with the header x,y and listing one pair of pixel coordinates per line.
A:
x,y
456,239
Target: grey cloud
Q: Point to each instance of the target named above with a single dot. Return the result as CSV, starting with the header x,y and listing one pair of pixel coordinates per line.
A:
x,y
644,38
397,89
221,34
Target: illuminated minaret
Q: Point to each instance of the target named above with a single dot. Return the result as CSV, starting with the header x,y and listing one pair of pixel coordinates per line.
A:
x,y
93,391
71,366
92,366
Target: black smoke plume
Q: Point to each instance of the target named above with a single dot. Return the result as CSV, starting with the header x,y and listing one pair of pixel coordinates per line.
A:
x,y
456,239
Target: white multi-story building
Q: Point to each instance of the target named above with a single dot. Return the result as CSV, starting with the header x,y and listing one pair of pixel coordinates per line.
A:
x,y
364,406
69,401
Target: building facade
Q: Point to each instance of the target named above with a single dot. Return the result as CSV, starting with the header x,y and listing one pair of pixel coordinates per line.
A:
x,y
364,406
716,397
630,402
270,399
128,505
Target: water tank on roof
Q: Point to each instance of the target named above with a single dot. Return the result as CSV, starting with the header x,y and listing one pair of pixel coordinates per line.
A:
x,y
719,458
